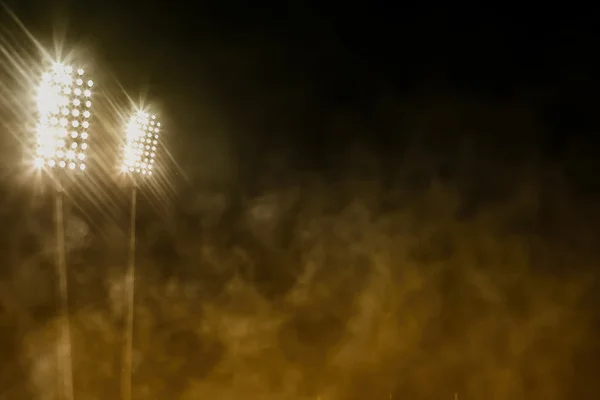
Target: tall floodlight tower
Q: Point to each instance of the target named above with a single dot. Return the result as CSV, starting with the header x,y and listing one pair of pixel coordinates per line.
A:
x,y
64,111
139,155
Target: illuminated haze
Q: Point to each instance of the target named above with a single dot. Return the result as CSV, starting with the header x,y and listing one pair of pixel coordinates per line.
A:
x,y
295,247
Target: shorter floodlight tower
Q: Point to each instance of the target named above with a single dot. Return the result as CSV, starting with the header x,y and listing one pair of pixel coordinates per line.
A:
x,y
139,155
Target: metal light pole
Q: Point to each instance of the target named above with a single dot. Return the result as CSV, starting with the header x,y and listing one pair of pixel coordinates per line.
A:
x,y
130,291
64,111
64,351
138,162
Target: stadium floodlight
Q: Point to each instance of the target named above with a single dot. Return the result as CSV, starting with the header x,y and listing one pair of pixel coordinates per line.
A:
x,y
64,111
141,146
139,157
64,107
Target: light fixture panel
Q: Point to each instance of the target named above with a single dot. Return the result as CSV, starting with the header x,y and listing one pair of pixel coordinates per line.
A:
x,y
142,134
65,110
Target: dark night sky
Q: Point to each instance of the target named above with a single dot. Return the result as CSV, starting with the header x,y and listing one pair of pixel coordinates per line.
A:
x,y
253,76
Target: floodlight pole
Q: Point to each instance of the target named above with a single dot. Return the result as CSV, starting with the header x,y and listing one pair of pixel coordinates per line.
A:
x,y
64,339
142,134
127,375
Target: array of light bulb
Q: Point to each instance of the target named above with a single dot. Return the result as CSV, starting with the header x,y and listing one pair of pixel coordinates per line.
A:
x,y
64,107
142,142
